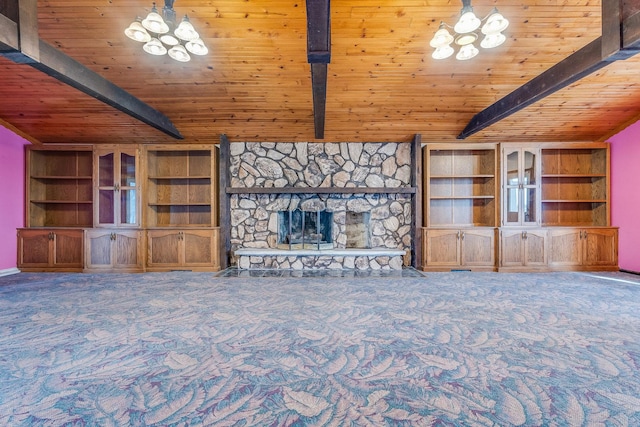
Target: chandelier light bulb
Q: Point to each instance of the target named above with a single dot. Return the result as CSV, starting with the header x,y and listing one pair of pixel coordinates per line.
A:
x,y
154,47
179,53
137,32
197,47
496,23
154,22
466,52
185,30
468,21
492,40
442,52
441,38
169,39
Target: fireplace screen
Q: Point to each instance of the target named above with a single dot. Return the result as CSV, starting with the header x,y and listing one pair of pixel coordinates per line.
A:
x,y
298,229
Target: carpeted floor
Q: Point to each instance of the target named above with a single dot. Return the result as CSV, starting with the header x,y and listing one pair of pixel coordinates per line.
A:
x,y
455,349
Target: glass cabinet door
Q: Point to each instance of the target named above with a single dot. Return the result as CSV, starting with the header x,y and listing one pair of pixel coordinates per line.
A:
x,y
117,192
520,186
127,189
106,189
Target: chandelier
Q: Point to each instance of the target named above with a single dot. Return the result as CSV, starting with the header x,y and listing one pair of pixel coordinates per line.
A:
x,y
465,33
161,36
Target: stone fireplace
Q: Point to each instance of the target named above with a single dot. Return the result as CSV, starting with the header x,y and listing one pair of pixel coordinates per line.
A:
x,y
339,205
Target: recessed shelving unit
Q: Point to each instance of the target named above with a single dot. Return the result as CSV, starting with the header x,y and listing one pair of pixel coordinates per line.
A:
x,y
461,187
180,188
60,189
574,186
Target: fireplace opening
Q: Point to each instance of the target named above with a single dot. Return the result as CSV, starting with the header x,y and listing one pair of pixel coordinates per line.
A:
x,y
357,230
299,229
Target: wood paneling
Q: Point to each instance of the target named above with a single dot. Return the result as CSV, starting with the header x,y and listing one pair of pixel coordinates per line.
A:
x,y
382,84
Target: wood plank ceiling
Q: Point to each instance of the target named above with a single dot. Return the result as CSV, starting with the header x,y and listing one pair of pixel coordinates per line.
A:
x,y
382,84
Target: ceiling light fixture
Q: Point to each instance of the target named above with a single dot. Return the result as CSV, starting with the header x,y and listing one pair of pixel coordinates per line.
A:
x,y
161,36
465,34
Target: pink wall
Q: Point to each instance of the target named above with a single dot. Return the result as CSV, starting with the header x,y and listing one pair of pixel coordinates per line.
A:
x,y
11,194
625,194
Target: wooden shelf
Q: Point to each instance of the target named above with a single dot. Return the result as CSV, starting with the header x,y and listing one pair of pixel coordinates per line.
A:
x,y
179,204
576,201
179,177
473,176
462,197
60,177
573,175
77,202
321,190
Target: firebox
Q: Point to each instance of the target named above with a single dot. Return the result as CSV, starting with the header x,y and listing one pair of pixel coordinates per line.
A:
x,y
298,229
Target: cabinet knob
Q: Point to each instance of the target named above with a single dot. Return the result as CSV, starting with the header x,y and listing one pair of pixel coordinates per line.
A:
x,y
462,236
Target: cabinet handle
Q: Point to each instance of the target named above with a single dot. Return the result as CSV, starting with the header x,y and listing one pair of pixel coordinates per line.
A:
x,y
585,234
580,234
113,236
458,235
524,235
462,236
51,235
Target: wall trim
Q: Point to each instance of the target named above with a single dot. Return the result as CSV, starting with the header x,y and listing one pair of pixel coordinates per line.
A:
x,y
9,271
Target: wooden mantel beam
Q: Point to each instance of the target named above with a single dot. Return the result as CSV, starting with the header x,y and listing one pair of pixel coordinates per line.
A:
x,y
620,40
318,55
20,43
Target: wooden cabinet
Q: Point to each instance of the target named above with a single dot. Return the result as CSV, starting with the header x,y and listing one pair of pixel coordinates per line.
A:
x,y
50,249
584,248
449,249
116,189
523,249
575,185
460,206
114,250
59,187
185,249
181,208
520,185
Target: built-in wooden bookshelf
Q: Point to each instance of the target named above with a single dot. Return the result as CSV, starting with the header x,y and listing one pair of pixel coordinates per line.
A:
x,y
574,186
59,187
460,186
181,187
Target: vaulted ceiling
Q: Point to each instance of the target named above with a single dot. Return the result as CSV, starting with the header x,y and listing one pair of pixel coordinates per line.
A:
x,y
382,83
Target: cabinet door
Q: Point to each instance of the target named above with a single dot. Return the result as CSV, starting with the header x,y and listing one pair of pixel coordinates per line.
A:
x,y
128,250
442,248
600,246
113,249
565,247
99,249
535,248
116,188
35,249
163,248
477,247
521,184
199,248
68,248
511,248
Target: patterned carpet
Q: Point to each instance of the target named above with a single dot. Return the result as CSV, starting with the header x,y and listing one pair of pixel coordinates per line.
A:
x,y
446,349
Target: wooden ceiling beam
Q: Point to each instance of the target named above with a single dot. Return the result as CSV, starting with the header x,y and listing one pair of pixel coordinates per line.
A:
x,y
319,55
20,43
620,40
